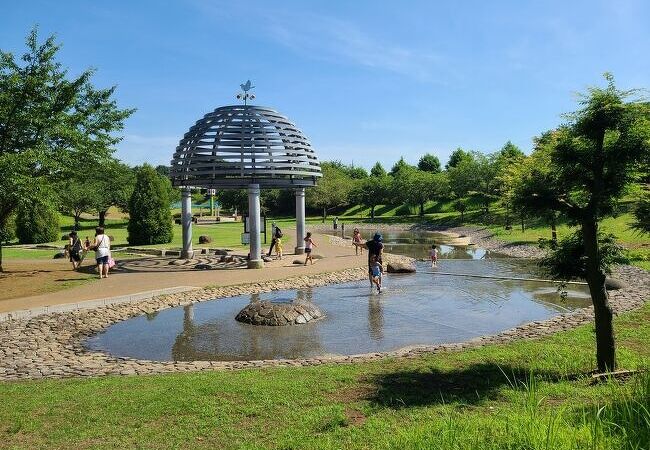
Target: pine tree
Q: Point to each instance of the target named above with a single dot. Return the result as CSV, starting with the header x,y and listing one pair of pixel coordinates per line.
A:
x,y
150,217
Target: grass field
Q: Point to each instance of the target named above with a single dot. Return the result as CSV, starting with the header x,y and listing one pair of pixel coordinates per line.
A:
x,y
228,235
523,395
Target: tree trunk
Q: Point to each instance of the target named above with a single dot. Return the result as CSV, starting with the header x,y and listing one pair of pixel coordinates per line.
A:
x,y
1,268
605,345
421,209
523,224
553,231
102,217
324,214
462,216
372,212
76,221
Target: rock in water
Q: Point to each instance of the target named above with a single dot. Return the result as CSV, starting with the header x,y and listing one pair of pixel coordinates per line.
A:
x,y
612,284
205,239
400,267
279,313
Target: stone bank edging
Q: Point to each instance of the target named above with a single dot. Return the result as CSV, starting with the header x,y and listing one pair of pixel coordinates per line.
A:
x,y
51,346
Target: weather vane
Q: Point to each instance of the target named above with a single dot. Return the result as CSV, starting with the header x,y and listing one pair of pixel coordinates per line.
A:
x,y
245,95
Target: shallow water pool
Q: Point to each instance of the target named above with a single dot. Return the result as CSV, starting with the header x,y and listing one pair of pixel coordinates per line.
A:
x,y
420,308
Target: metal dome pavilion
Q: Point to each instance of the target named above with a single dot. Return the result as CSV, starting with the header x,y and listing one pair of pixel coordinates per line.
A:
x,y
235,146
244,146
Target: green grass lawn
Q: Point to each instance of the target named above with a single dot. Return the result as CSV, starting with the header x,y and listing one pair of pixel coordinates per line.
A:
x,y
523,395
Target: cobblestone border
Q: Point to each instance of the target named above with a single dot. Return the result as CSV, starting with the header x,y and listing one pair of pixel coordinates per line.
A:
x,y
51,345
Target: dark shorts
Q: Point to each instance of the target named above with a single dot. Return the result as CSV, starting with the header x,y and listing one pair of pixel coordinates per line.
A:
x,y
76,257
102,260
307,250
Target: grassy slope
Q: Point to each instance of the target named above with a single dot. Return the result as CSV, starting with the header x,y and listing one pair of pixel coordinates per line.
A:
x,y
441,213
520,395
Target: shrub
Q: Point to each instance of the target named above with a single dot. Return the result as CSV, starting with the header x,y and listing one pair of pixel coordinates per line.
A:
x,y
150,219
37,222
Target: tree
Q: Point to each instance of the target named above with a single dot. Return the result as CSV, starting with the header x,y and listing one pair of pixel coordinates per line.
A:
x,y
509,152
150,219
463,175
641,215
332,191
399,165
374,191
534,183
429,163
113,186
50,124
37,221
593,159
7,234
456,157
77,196
416,187
377,170
461,206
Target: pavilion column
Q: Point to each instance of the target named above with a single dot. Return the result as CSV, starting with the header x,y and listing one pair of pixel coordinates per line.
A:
x,y
186,221
300,221
255,261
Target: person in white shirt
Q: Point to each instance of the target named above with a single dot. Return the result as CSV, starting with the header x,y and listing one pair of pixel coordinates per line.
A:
x,y
102,246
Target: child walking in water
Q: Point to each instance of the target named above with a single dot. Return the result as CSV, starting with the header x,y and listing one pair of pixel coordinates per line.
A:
x,y
309,245
375,268
356,241
434,256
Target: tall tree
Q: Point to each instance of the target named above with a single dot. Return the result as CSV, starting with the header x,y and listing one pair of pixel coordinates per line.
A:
x,y
150,220
332,191
456,157
373,191
429,163
113,186
77,195
50,124
399,165
594,159
377,170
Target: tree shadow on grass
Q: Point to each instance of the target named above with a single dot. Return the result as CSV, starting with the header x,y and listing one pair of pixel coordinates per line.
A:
x,y
470,385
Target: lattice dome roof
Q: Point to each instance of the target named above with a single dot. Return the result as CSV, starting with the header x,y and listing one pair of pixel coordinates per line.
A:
x,y
234,146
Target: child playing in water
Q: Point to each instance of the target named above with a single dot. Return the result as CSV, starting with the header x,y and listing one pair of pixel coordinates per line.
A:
x,y
375,267
309,245
433,253
356,241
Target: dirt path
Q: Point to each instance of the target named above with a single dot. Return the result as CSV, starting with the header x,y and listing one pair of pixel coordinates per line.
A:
x,y
334,258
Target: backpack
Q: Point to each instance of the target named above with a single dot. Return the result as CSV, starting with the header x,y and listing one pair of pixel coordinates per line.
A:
x,y
76,247
278,233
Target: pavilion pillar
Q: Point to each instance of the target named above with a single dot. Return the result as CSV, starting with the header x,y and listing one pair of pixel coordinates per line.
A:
x,y
300,221
255,261
186,223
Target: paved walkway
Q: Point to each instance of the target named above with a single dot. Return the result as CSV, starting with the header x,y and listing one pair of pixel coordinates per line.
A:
x,y
335,258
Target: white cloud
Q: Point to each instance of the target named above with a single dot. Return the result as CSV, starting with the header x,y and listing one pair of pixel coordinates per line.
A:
x,y
332,39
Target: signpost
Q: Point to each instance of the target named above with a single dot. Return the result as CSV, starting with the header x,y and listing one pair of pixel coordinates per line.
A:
x,y
245,236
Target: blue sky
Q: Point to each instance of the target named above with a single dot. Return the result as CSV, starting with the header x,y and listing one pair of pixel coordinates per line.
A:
x,y
364,80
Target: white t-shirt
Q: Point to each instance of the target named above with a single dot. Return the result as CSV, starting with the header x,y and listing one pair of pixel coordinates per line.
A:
x,y
103,244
